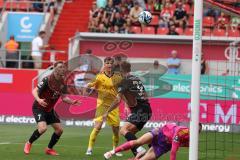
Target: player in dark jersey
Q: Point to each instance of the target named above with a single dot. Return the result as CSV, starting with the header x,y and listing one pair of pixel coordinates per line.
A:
x,y
46,95
132,91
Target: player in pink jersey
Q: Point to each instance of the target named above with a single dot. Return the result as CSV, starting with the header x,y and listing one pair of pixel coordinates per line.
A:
x,y
168,138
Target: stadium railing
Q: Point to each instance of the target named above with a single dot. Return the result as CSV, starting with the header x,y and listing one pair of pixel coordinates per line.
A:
x,y
21,60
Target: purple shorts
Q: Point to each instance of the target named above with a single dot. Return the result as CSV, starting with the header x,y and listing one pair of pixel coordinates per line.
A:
x,y
159,143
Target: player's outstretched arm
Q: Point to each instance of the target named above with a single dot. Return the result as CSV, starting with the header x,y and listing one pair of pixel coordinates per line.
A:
x,y
174,149
68,100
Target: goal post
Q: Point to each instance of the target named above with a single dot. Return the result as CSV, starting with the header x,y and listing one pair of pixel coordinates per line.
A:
x,y
195,82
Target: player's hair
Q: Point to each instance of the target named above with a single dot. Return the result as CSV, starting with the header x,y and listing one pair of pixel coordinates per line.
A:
x,y
108,59
56,63
125,67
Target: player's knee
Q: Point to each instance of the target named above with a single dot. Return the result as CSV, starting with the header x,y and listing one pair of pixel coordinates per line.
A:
x,y
41,130
59,131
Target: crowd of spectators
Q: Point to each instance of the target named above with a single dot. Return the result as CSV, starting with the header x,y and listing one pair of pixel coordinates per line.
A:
x,y
118,16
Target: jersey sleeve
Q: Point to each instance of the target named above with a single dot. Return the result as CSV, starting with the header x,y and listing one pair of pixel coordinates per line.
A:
x,y
175,146
43,84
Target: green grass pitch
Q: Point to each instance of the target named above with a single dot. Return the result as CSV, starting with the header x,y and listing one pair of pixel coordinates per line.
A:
x,y
73,144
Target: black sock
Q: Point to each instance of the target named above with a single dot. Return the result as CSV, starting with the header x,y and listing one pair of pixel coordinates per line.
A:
x,y
34,136
130,136
53,140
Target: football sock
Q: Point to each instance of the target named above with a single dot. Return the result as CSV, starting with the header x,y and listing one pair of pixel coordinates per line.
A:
x,y
115,140
93,137
53,140
124,147
130,136
34,136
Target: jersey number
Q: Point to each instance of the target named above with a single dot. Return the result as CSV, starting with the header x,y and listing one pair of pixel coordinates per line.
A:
x,y
139,87
39,116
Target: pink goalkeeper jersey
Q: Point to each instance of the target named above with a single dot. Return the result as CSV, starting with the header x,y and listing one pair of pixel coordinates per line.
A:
x,y
178,136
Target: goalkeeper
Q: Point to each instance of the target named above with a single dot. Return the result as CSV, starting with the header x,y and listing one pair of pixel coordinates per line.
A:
x,y
168,138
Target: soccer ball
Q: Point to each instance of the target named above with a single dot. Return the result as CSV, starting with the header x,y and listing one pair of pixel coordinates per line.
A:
x,y
145,17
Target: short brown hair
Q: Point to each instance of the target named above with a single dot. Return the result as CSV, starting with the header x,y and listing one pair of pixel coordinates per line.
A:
x,y
108,59
58,62
125,67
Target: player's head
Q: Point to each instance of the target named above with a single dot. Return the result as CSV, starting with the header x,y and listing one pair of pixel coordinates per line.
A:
x,y
108,63
59,70
42,34
125,67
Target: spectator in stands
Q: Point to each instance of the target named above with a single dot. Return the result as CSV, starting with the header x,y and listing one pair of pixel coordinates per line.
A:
x,y
11,53
222,21
141,3
235,23
128,4
180,16
124,12
117,20
37,46
109,10
204,65
134,12
38,5
173,63
211,12
93,13
172,30
150,5
166,15
157,5
101,3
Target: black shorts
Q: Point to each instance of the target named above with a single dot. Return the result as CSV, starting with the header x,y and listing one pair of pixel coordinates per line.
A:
x,y
43,116
140,114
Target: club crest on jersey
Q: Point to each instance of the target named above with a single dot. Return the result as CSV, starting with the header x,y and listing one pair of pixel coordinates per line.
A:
x,y
176,139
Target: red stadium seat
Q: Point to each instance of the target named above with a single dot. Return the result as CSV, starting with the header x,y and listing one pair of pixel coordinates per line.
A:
x,y
1,3
155,20
190,21
188,32
179,30
162,31
219,32
206,32
148,30
136,29
233,33
208,21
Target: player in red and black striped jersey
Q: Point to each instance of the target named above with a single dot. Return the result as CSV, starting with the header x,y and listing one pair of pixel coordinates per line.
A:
x,y
132,91
46,95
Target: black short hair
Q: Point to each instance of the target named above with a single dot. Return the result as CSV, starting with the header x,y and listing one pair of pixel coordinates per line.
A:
x,y
125,67
108,59
41,33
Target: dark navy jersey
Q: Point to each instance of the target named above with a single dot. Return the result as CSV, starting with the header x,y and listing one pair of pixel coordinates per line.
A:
x,y
134,86
45,92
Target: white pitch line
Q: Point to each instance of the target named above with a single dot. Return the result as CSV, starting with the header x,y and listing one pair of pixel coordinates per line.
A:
x,y
4,143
